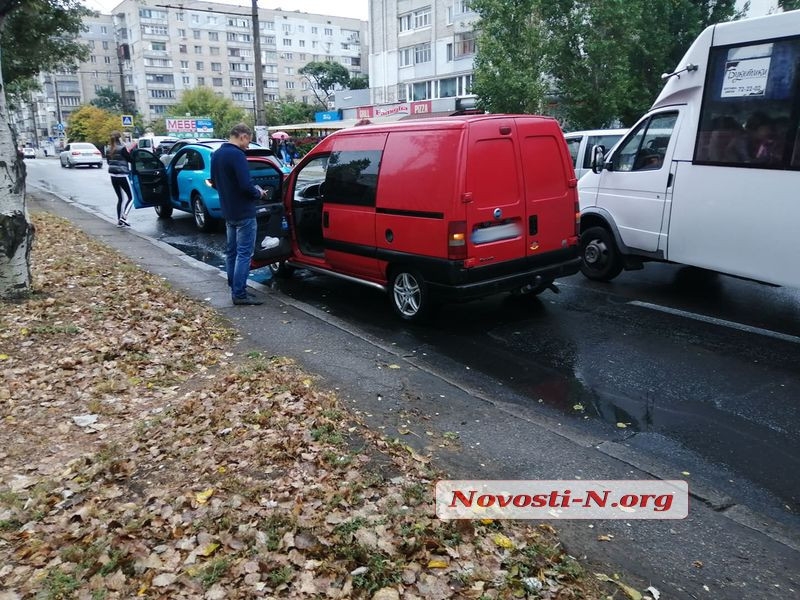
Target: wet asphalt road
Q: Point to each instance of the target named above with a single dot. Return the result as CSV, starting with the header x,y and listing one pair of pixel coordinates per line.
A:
x,y
699,371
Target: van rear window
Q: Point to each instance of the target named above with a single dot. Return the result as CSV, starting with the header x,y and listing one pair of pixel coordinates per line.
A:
x,y
352,177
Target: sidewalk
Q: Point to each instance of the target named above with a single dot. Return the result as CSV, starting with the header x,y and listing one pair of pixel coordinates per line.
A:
x,y
711,554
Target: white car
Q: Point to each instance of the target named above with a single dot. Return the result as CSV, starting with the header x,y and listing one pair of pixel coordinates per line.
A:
x,y
80,153
28,153
580,144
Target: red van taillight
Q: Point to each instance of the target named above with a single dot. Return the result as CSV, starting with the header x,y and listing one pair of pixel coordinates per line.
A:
x,y
457,240
577,216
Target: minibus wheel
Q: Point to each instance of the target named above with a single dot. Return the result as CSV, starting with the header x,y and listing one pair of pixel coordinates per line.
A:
x,y
600,259
409,294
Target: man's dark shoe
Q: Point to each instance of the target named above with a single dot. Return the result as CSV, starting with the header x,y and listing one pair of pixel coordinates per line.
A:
x,y
247,301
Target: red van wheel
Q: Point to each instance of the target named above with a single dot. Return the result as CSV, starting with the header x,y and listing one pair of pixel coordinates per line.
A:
x,y
409,295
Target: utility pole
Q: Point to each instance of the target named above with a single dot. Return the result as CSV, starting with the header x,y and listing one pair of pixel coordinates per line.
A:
x,y
121,48
259,75
34,108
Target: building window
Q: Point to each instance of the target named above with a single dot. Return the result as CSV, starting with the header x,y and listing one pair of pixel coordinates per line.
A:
x,y
405,57
181,33
211,20
287,28
199,65
186,80
328,31
422,18
287,42
214,51
447,87
290,85
105,45
184,64
315,30
196,19
422,53
315,44
179,16
465,44
213,36
302,43
93,59
158,46
198,49
182,48
450,52
216,67
158,109
217,82
163,94
289,70
201,81
107,60
103,29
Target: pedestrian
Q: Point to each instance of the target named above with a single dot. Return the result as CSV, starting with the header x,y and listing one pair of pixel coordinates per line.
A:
x,y
238,197
118,158
291,152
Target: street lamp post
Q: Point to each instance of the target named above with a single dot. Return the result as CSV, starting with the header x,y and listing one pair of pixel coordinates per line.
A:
x,y
259,75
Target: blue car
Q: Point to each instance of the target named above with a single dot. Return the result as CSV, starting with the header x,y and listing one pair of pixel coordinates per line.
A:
x,y
183,183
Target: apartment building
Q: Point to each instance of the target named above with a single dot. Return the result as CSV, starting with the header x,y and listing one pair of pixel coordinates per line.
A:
x,y
421,50
37,121
178,47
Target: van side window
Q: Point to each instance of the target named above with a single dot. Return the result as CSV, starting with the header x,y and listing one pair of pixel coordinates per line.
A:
x,y
646,145
352,177
574,145
749,116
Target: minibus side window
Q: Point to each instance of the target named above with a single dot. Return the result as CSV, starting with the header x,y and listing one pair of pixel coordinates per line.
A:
x,y
749,116
625,156
606,141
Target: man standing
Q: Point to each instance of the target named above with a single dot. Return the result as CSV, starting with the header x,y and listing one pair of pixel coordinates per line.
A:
x,y
238,196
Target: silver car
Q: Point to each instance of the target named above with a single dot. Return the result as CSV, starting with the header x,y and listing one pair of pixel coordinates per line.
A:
x,y
81,153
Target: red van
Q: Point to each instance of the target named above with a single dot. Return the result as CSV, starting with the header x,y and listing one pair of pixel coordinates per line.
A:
x,y
434,210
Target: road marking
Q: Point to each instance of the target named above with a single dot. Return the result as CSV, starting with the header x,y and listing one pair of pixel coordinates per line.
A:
x,y
714,321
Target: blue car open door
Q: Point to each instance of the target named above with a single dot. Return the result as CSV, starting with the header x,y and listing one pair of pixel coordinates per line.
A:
x,y
149,180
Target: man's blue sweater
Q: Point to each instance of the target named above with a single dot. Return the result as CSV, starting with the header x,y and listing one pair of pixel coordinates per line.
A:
x,y
230,174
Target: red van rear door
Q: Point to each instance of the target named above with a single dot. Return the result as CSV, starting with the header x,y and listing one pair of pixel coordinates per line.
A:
x,y
493,194
550,188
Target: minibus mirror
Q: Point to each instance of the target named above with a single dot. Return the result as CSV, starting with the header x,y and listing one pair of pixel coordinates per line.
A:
x,y
598,158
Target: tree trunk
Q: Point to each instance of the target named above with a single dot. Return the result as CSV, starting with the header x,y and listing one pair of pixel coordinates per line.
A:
x,y
16,230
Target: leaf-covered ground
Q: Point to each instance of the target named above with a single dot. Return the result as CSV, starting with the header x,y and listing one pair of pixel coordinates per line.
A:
x,y
145,454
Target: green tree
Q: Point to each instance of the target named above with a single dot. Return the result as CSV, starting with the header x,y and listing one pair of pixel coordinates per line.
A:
x,y
92,124
108,99
509,72
204,102
788,5
35,35
359,83
324,77
597,62
285,112
42,35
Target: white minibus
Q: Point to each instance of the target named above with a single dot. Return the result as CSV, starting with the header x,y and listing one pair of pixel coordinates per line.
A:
x,y
710,176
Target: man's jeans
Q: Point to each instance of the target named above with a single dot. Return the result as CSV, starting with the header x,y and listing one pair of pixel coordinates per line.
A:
x,y
241,237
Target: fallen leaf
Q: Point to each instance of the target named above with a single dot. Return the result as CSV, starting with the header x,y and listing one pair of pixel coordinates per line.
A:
x,y
438,563
202,497
503,541
208,549
605,538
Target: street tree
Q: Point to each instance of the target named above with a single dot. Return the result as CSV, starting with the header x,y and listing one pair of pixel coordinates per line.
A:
x,y
788,5
324,78
288,111
360,82
92,124
509,70
35,35
204,102
107,99
595,62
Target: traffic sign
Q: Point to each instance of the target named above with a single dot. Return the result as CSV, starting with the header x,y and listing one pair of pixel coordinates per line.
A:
x,y
60,126
127,120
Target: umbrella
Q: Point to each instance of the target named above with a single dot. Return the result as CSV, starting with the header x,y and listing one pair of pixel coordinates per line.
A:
x,y
280,135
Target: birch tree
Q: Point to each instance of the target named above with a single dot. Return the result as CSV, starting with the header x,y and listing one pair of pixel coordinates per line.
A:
x,y
35,35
